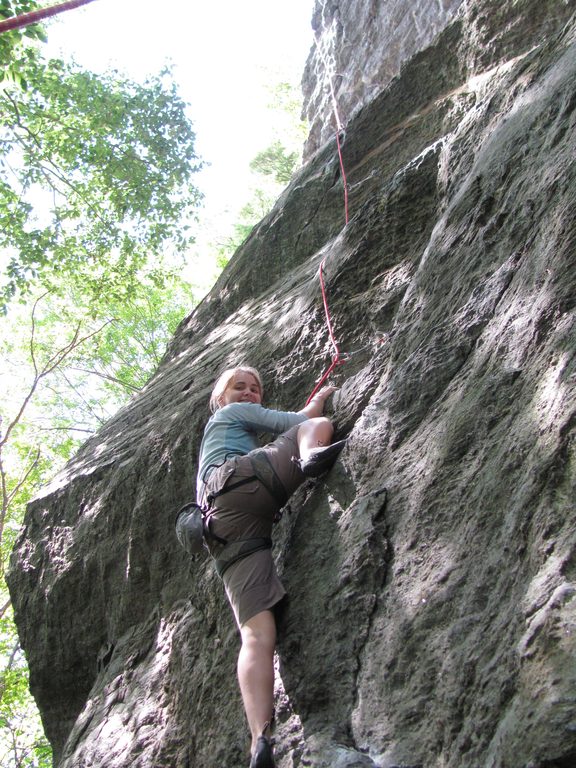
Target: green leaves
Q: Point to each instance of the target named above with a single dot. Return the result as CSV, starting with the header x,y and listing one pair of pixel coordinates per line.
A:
x,y
11,42
273,167
65,367
276,161
95,176
96,199
22,743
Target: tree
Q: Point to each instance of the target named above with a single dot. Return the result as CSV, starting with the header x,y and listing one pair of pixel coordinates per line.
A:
x,y
63,374
95,177
276,161
13,42
96,203
273,167
22,742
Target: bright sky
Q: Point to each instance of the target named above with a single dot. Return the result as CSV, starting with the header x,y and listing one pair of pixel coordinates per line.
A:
x,y
225,53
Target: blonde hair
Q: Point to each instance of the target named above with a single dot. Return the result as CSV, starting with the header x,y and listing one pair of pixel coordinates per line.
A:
x,y
224,380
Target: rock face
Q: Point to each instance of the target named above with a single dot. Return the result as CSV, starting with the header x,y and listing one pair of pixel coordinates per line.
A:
x,y
358,48
432,614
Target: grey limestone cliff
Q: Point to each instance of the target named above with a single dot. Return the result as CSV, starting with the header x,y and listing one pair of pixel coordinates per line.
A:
x,y
359,47
431,573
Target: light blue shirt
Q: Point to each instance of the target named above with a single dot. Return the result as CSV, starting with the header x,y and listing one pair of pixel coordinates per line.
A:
x,y
233,431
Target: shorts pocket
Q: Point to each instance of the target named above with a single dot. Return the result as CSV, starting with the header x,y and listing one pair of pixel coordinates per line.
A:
x,y
220,477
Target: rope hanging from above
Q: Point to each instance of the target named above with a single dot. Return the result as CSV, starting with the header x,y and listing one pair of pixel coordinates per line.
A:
x,y
33,17
337,358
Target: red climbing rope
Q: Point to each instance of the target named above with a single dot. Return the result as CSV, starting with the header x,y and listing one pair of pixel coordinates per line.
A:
x,y
337,358
344,181
33,17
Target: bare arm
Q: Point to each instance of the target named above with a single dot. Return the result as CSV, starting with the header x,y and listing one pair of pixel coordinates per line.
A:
x,y
316,406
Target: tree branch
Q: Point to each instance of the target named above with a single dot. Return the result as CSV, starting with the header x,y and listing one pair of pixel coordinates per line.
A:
x,y
81,397
51,168
67,429
19,484
5,607
108,377
54,362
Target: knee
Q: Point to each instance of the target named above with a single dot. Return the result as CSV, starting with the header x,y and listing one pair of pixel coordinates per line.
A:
x,y
321,421
258,646
259,632
321,426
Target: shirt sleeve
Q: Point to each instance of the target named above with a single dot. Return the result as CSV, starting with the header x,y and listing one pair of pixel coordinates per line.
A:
x,y
258,419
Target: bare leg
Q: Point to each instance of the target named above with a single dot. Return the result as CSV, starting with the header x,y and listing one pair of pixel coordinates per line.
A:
x,y
313,434
256,671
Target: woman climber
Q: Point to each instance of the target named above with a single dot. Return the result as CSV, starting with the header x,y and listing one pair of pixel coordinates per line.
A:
x,y
243,487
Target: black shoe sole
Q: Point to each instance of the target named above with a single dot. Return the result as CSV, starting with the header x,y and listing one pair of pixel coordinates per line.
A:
x,y
321,460
263,756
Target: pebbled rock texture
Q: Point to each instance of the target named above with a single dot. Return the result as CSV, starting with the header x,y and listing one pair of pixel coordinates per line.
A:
x,y
431,573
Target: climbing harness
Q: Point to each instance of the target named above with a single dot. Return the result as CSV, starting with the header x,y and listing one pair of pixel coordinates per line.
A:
x,y
193,522
195,535
238,550
193,529
33,17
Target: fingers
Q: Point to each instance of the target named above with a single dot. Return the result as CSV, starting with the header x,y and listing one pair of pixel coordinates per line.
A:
x,y
325,392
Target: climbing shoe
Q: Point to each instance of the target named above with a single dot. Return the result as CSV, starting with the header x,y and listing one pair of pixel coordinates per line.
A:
x,y
321,460
263,756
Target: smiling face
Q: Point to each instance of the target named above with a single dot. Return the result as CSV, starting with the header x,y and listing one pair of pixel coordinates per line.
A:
x,y
243,387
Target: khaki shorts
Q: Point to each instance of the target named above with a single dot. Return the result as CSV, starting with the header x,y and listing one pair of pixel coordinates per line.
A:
x,y
252,584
